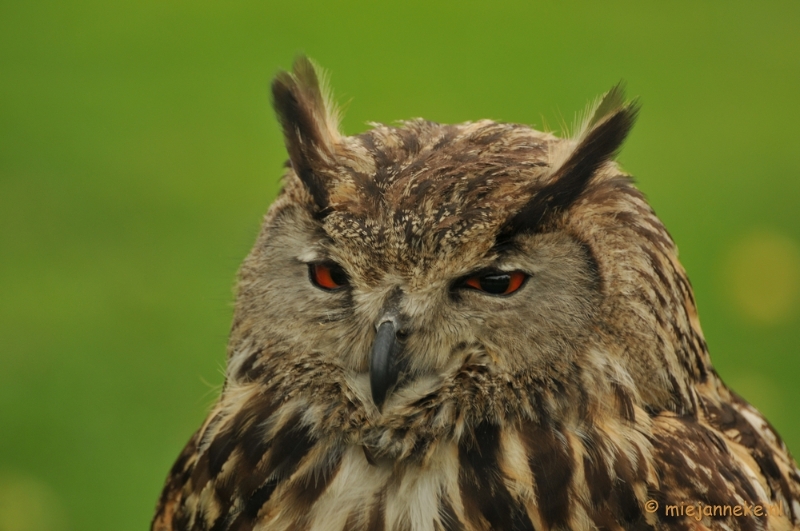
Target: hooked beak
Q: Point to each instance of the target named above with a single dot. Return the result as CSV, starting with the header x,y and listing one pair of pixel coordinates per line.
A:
x,y
383,366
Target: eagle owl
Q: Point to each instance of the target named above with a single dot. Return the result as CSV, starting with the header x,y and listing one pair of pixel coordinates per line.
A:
x,y
469,327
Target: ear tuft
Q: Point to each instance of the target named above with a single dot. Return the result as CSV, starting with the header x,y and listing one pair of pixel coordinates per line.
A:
x,y
597,142
310,123
610,102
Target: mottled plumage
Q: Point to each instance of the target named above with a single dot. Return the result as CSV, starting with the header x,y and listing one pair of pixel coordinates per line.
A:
x,y
475,326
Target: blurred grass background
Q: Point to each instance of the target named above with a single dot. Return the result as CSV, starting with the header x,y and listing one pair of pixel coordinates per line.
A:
x,y
138,152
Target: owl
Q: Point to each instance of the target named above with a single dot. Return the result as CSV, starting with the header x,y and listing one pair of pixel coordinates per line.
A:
x,y
469,327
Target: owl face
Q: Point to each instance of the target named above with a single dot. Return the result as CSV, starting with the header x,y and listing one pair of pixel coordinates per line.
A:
x,y
401,256
448,299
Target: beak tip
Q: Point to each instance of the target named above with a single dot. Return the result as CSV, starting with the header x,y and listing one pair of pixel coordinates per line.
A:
x,y
378,404
383,363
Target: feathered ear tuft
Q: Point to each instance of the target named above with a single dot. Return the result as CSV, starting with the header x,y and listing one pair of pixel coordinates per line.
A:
x,y
597,141
310,123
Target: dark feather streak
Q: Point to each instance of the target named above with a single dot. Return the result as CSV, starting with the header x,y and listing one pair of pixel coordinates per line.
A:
x,y
483,491
552,467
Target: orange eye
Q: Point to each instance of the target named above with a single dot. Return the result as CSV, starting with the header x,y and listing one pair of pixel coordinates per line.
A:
x,y
327,276
497,282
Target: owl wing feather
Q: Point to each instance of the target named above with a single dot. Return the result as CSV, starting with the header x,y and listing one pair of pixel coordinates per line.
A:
x,y
728,465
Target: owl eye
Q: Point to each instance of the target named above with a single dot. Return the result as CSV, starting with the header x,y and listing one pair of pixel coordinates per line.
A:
x,y
496,282
327,276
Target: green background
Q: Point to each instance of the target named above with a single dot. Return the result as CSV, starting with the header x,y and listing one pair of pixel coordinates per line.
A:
x,y
138,152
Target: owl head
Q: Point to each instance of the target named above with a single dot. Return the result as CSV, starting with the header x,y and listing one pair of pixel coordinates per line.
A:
x,y
483,270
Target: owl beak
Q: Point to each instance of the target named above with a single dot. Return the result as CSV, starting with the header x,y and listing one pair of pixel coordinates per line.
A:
x,y
383,366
